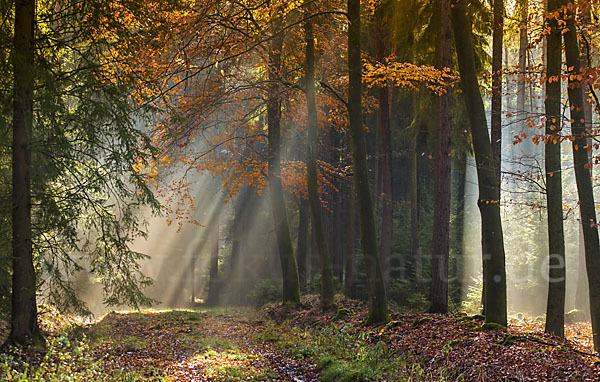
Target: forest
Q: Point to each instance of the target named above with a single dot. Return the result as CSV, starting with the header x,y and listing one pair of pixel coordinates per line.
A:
x,y
305,190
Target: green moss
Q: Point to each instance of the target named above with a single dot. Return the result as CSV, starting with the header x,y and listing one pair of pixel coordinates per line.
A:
x,y
421,321
490,326
393,324
476,317
509,339
341,313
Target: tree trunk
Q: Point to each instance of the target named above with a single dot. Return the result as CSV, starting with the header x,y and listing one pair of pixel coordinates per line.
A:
x,y
460,174
582,173
24,325
494,277
377,295
581,295
496,117
301,246
213,283
581,292
289,267
327,290
416,271
386,167
555,308
349,279
441,214
523,43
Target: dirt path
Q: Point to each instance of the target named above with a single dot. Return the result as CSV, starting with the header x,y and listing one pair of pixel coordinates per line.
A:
x,y
194,346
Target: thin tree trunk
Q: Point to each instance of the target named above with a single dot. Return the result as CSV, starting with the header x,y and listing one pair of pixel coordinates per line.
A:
x,y
416,271
459,226
350,248
377,295
581,292
496,117
24,325
213,283
327,290
581,296
386,167
301,246
289,267
556,242
523,43
441,214
582,173
494,277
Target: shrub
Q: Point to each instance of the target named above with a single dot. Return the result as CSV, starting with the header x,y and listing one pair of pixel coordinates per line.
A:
x,y
265,291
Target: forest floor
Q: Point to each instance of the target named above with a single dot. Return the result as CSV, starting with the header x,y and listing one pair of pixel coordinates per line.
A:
x,y
277,343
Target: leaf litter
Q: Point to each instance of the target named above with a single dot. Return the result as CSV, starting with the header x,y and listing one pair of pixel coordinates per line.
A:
x,y
231,345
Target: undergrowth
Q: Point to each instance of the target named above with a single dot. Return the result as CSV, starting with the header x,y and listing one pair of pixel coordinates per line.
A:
x,y
64,360
344,353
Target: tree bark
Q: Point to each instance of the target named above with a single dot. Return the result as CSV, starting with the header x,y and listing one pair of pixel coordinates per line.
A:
x,y
327,290
460,174
523,43
213,283
496,117
302,243
386,160
24,325
415,271
441,214
378,311
555,307
494,277
582,173
289,267
581,295
350,248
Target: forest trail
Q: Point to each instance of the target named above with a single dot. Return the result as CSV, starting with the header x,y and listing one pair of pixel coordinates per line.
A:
x,y
220,345
279,343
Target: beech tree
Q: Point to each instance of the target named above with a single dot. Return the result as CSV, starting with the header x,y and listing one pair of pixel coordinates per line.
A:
x,y
441,218
375,283
494,277
289,267
556,242
587,205
327,290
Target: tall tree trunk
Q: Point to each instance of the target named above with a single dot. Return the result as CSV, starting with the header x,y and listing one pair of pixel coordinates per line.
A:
x,y
302,243
24,325
386,165
460,174
555,308
496,117
441,214
327,290
416,271
289,267
581,296
582,173
494,277
523,6
350,249
213,283
377,295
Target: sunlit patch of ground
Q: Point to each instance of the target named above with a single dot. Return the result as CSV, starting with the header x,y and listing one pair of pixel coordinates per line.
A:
x,y
220,365
578,333
216,345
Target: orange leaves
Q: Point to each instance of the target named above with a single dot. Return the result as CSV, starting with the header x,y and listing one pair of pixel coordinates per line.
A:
x,y
407,75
